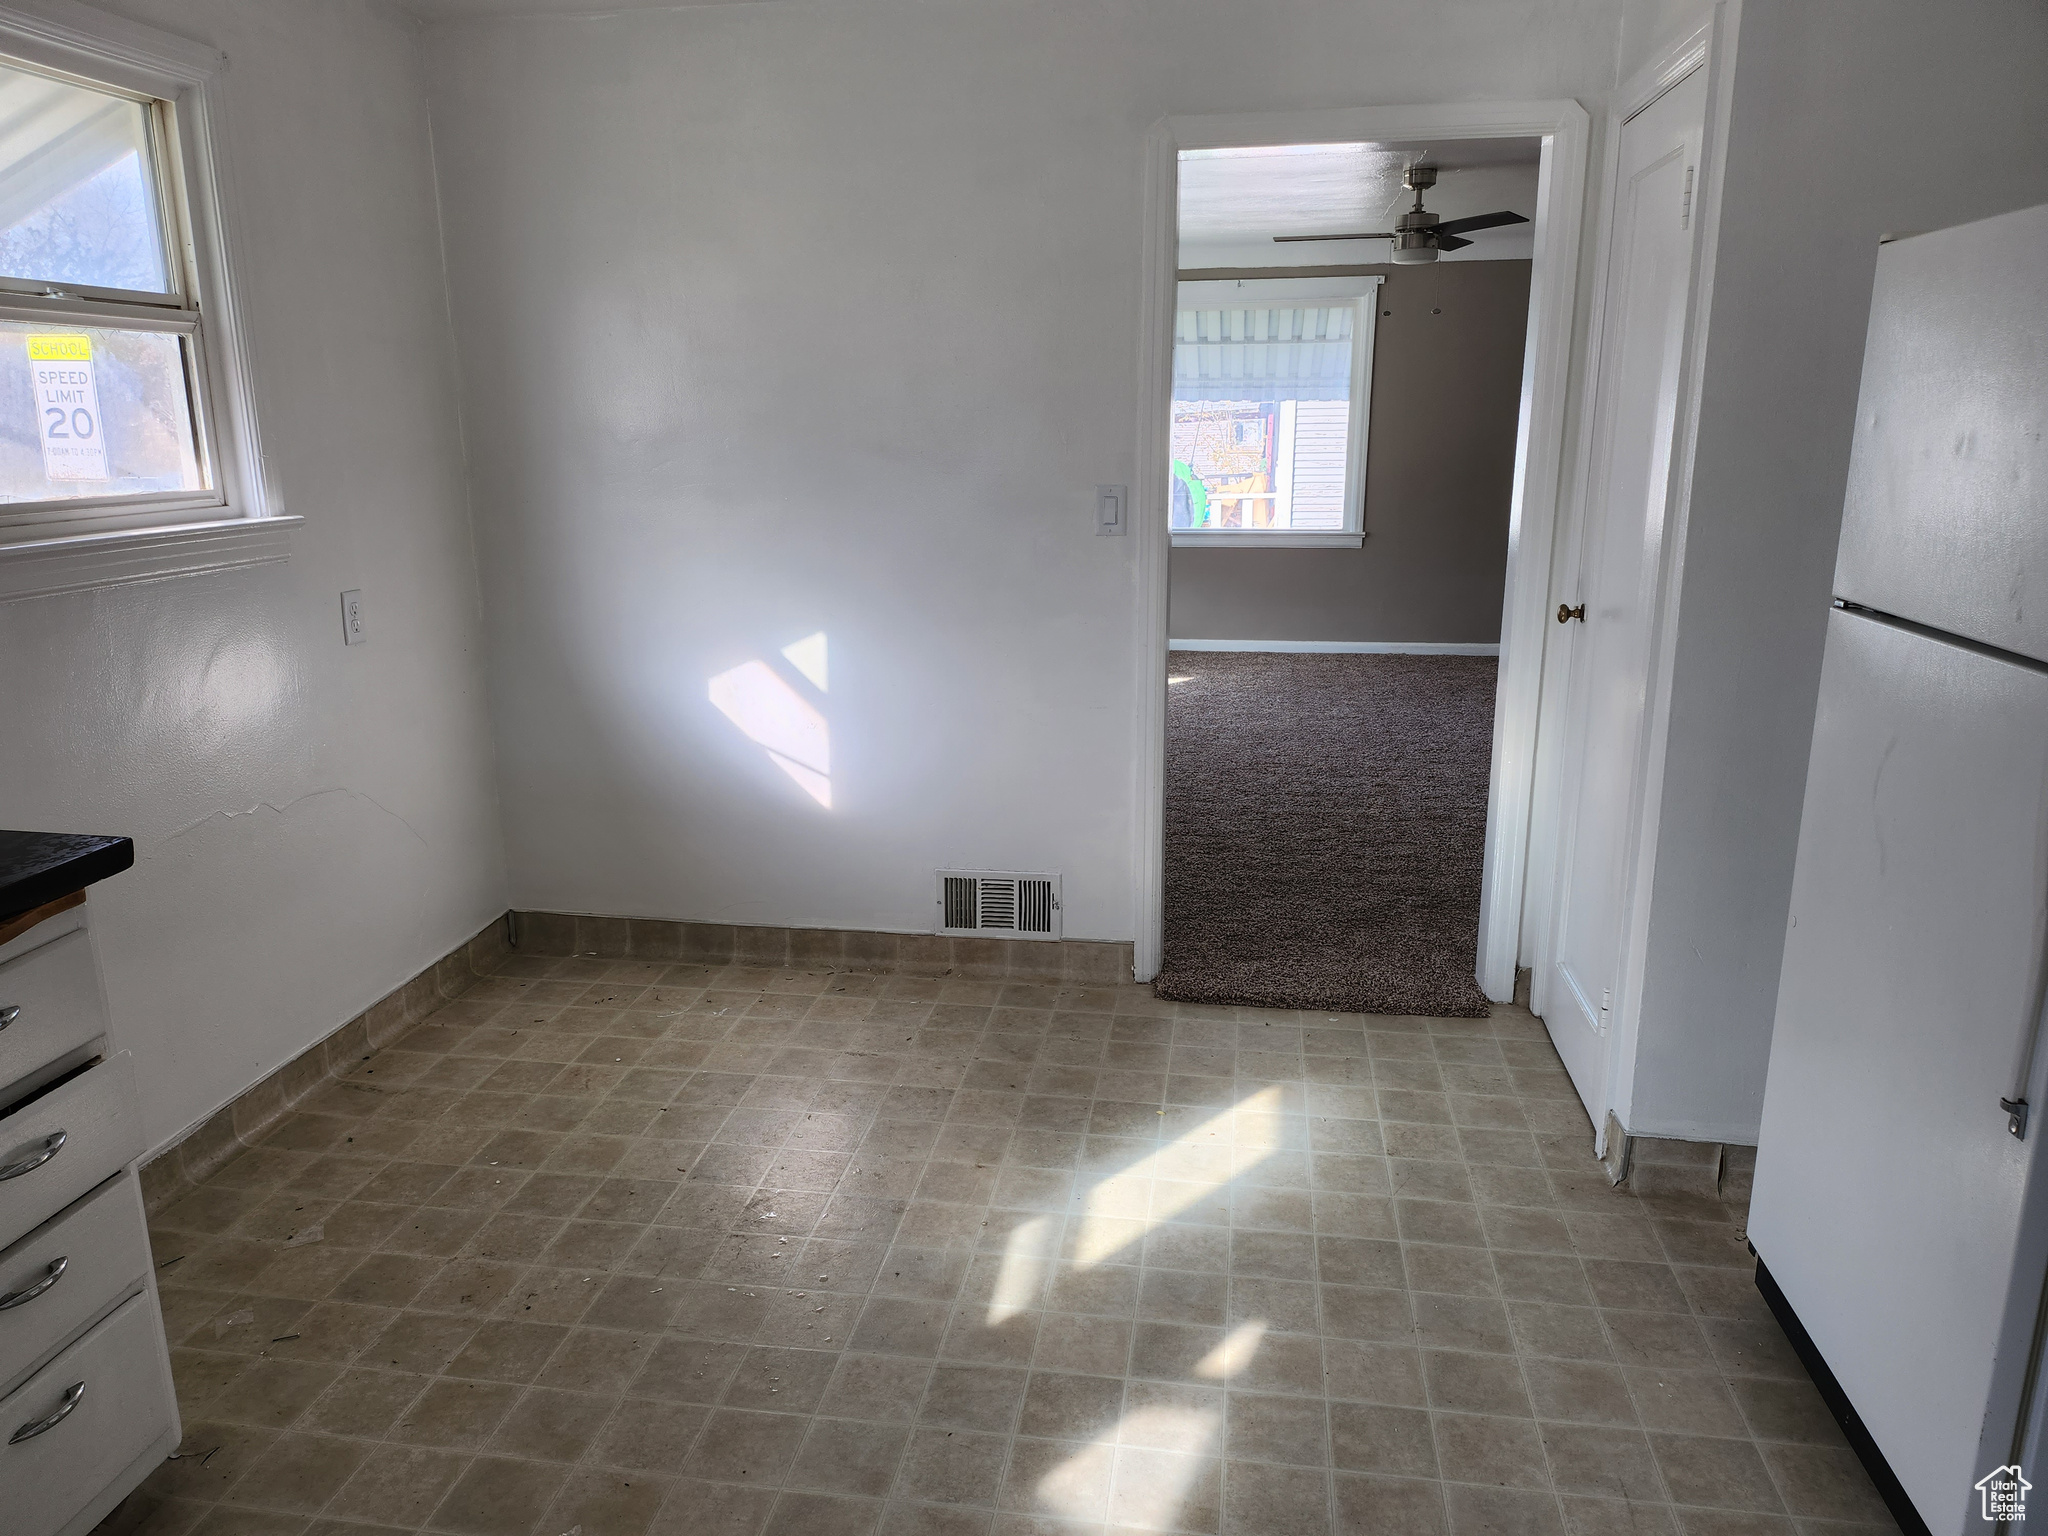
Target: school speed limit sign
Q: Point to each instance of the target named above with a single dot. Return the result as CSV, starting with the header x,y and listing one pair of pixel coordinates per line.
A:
x,y
67,407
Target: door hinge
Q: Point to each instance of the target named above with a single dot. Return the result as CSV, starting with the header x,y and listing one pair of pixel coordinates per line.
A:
x,y
2015,1116
1685,212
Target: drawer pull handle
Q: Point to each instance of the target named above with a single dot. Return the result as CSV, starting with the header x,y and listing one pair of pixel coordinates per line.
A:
x,y
72,1394
50,1277
52,1145
9,1014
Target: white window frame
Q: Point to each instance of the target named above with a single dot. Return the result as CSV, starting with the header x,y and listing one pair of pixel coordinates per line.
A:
x,y
60,546
1363,292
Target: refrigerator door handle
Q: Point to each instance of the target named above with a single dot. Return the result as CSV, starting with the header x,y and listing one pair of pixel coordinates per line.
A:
x,y
2015,1116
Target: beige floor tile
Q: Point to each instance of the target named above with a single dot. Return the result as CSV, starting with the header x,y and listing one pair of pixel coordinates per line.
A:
x,y
663,1249
615,1503
1499,1452
550,1425
456,1415
1491,1511
496,1496
299,1473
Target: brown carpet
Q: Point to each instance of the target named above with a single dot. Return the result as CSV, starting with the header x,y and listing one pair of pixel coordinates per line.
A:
x,y
1325,818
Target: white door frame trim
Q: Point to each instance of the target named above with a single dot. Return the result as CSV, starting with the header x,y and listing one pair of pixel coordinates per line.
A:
x,y
1709,44
1540,456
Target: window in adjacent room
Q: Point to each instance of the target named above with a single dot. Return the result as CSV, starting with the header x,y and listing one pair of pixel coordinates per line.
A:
x,y
103,368
1272,380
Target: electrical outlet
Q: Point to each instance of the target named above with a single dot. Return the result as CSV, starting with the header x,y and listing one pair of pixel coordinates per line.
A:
x,y
352,632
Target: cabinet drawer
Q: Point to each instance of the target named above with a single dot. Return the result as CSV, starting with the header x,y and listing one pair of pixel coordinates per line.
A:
x,y
70,1270
118,1381
50,1000
61,1143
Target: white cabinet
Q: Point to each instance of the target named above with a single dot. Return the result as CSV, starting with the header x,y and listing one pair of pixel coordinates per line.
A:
x,y
65,1139
86,1407
68,1273
50,998
97,1414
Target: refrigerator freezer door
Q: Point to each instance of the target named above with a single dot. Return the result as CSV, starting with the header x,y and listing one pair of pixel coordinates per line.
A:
x,y
1946,521
1888,1190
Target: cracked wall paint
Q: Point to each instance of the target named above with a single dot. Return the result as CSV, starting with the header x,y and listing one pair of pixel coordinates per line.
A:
x,y
287,807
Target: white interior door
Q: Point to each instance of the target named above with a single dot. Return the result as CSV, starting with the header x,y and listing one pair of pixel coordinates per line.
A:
x,y
1649,278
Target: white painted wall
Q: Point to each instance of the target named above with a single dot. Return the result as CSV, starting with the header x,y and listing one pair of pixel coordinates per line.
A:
x,y
313,823
1851,118
1650,27
784,318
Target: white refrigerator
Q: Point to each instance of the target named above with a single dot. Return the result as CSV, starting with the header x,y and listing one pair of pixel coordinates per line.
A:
x,y
1900,1212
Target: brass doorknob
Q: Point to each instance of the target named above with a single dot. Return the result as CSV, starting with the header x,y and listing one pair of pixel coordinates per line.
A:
x,y
1566,614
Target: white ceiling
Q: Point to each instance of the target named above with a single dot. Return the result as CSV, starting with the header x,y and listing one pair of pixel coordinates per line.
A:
x,y
1234,195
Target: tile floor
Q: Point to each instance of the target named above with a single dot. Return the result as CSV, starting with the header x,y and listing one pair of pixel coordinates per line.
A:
x,y
618,1248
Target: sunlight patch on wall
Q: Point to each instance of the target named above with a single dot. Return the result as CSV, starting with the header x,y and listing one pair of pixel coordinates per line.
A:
x,y
756,698
808,657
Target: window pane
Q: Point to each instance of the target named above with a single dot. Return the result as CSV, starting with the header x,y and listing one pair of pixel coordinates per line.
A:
x,y
91,411
77,196
1262,416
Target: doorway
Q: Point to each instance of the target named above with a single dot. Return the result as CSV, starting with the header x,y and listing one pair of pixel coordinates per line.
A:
x,y
1505,722
1343,453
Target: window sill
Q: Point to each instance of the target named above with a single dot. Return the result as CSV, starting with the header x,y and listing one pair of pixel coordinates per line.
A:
x,y
1270,538
81,562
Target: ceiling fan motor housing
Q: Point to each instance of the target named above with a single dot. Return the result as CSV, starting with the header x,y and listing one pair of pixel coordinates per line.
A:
x,y
1415,240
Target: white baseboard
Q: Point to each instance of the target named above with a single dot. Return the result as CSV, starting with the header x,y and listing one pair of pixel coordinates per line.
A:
x,y
1345,647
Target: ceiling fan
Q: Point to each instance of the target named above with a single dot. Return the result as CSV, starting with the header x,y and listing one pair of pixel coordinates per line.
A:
x,y
1417,235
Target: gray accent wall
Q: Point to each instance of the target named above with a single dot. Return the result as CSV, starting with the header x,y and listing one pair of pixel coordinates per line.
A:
x,y
1440,459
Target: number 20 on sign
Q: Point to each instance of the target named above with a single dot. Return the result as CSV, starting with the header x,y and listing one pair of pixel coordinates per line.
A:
x,y
67,407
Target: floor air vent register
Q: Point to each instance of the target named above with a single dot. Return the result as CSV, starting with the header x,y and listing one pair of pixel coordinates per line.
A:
x,y
983,903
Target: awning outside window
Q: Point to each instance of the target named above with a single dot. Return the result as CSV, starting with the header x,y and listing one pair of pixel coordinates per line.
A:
x,y
1264,352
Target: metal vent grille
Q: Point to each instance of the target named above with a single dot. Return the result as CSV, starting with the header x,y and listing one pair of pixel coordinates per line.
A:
x,y
999,903
957,897
997,906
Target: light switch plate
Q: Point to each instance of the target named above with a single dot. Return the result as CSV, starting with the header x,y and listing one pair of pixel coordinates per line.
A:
x,y
352,632
1112,511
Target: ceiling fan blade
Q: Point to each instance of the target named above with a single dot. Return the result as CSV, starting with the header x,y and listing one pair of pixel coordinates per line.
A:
x,y
1292,239
1479,221
1451,243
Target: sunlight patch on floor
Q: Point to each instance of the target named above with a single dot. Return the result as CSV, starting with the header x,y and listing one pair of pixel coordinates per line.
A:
x,y
1187,1170
1142,1469
1234,1354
